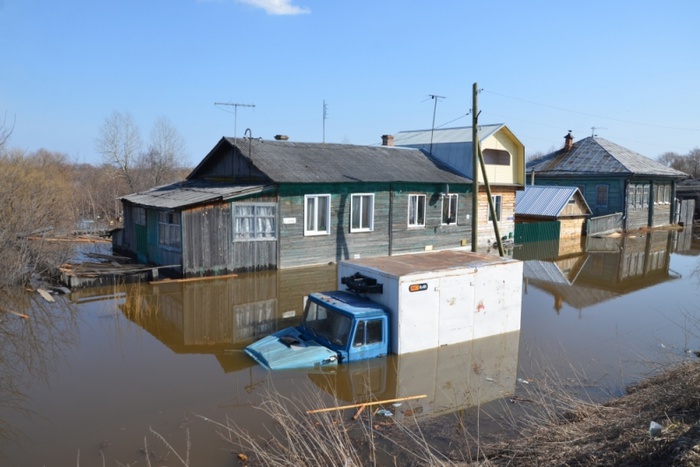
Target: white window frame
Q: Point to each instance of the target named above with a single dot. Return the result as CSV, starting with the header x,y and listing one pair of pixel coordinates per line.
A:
x,y
170,230
256,233
450,215
416,214
497,206
357,207
311,213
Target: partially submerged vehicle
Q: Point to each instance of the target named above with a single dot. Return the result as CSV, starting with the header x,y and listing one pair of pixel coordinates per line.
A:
x,y
338,326
418,302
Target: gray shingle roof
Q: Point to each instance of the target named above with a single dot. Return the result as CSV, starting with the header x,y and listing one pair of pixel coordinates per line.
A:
x,y
548,201
597,156
292,162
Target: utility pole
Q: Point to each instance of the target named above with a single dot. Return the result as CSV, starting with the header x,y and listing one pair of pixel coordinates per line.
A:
x,y
235,112
475,169
435,98
479,162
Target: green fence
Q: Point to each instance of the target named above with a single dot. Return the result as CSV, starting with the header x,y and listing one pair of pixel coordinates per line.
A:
x,y
537,232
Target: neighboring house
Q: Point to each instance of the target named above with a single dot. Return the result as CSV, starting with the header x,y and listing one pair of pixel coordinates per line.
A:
x,y
613,179
561,206
504,159
255,204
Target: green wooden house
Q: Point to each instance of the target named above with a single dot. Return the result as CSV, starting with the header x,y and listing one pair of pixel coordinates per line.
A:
x,y
613,180
256,204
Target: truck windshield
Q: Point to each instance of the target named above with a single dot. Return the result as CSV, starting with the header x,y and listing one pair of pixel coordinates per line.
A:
x,y
327,323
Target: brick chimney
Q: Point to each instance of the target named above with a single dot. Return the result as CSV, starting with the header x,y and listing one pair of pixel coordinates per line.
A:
x,y
568,141
387,140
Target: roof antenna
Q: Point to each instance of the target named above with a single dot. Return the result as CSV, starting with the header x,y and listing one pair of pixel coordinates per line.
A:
x,y
594,128
432,130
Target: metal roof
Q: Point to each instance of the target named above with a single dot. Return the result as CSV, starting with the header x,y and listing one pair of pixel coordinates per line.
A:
x,y
451,145
292,162
546,201
189,193
597,156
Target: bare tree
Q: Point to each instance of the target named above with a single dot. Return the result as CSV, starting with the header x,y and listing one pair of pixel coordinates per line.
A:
x,y
119,143
34,189
5,131
165,156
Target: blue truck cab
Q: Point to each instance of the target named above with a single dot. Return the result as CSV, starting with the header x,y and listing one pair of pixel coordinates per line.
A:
x,y
337,327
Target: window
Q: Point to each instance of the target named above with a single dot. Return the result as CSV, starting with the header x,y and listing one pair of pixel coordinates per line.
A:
x,y
497,201
139,215
449,209
601,198
317,214
361,213
253,221
496,157
416,210
169,229
368,332
663,194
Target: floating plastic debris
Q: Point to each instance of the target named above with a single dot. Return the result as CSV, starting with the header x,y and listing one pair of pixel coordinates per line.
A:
x,y
384,413
655,429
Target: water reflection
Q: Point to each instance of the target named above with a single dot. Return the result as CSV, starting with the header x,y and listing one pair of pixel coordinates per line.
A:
x,y
600,269
453,377
29,351
222,316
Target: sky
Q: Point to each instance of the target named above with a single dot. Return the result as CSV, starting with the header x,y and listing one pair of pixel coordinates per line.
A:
x,y
628,71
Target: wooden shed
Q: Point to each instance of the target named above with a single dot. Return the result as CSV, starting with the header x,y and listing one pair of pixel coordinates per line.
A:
x,y
549,212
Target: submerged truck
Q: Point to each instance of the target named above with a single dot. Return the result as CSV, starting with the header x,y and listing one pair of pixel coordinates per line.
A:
x,y
399,304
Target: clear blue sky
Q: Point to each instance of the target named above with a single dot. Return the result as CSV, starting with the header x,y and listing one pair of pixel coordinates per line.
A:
x,y
629,68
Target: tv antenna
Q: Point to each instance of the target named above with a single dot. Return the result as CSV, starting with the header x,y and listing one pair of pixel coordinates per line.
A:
x,y
432,130
594,128
235,105
325,117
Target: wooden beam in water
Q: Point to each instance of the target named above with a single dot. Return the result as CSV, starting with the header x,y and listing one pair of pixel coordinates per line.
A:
x,y
192,279
352,406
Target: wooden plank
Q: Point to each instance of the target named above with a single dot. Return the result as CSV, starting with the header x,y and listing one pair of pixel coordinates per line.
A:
x,y
352,406
46,295
192,279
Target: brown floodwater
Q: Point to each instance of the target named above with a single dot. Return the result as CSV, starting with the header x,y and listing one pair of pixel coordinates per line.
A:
x,y
105,374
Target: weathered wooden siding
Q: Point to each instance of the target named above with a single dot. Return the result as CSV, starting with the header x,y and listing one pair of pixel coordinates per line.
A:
x,y
210,250
506,226
433,236
297,249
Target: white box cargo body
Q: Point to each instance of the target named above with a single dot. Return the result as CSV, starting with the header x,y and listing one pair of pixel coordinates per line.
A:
x,y
443,297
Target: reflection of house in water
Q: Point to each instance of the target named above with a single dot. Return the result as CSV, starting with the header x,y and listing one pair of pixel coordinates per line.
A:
x,y
222,316
607,268
453,377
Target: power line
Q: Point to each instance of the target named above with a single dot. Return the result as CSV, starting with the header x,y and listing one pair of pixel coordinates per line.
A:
x,y
592,115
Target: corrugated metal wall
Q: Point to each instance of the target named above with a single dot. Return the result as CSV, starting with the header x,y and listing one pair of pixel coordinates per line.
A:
x,y
537,232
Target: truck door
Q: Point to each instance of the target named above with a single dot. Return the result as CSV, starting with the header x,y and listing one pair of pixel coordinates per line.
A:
x,y
370,339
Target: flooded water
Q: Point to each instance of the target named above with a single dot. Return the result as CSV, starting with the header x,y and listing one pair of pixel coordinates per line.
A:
x,y
105,373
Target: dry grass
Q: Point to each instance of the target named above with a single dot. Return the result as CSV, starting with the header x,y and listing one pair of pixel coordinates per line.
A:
x,y
617,433
557,428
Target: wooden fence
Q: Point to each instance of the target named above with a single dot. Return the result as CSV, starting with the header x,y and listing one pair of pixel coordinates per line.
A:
x,y
604,224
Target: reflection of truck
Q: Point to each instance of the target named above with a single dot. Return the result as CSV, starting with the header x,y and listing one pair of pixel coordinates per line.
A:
x,y
418,302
